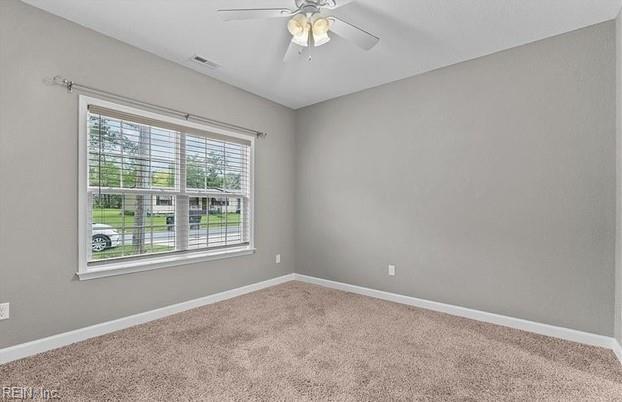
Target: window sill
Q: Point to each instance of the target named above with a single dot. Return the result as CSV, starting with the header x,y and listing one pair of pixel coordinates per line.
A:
x,y
123,268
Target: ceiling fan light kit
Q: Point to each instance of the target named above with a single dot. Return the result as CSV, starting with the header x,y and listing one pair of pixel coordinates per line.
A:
x,y
300,25
308,25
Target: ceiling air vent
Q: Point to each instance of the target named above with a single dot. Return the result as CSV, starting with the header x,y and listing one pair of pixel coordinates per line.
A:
x,y
204,62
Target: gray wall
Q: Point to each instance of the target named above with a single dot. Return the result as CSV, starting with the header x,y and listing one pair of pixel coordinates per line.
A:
x,y
618,260
491,183
38,175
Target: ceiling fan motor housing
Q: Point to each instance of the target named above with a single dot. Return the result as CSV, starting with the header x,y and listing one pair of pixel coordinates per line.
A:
x,y
313,6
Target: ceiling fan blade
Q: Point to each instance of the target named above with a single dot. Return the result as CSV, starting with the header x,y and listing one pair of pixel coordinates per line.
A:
x,y
253,13
358,36
293,51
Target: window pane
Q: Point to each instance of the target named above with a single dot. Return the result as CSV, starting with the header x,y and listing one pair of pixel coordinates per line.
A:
x,y
104,135
217,222
124,154
215,159
235,167
105,172
164,200
163,157
131,225
216,165
162,174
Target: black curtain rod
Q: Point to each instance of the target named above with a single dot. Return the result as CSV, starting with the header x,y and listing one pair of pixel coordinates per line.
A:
x,y
71,85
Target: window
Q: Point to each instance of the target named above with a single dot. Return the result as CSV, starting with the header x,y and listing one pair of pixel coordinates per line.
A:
x,y
164,200
159,191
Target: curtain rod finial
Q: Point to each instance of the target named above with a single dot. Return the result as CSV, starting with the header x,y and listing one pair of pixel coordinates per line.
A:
x,y
59,80
262,135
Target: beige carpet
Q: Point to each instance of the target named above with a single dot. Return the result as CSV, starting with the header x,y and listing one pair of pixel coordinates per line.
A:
x,y
303,342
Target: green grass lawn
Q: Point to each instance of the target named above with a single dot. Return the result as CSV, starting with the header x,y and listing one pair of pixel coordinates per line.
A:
x,y
114,218
128,251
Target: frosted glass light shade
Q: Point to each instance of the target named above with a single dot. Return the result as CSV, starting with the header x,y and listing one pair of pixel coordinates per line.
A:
x,y
299,27
320,32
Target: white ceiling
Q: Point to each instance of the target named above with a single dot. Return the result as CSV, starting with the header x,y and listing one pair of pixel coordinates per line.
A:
x,y
416,36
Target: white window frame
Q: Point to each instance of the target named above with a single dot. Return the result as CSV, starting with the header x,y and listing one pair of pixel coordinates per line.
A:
x,y
86,271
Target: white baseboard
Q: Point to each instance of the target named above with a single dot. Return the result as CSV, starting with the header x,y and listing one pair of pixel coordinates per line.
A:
x,y
525,325
56,341
617,349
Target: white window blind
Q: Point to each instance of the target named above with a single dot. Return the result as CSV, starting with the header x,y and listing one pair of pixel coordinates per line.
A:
x,y
156,187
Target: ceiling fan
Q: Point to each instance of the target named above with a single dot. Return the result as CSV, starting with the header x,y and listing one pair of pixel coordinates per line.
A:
x,y
308,24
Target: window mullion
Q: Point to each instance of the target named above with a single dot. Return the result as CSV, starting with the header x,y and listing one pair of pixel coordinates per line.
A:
x,y
89,225
182,205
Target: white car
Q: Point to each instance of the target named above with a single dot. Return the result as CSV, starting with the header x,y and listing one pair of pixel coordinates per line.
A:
x,y
104,236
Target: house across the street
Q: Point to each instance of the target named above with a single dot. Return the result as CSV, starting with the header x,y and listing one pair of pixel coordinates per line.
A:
x,y
162,205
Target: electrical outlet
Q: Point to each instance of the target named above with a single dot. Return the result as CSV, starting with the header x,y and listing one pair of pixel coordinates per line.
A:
x,y
277,259
391,270
4,311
